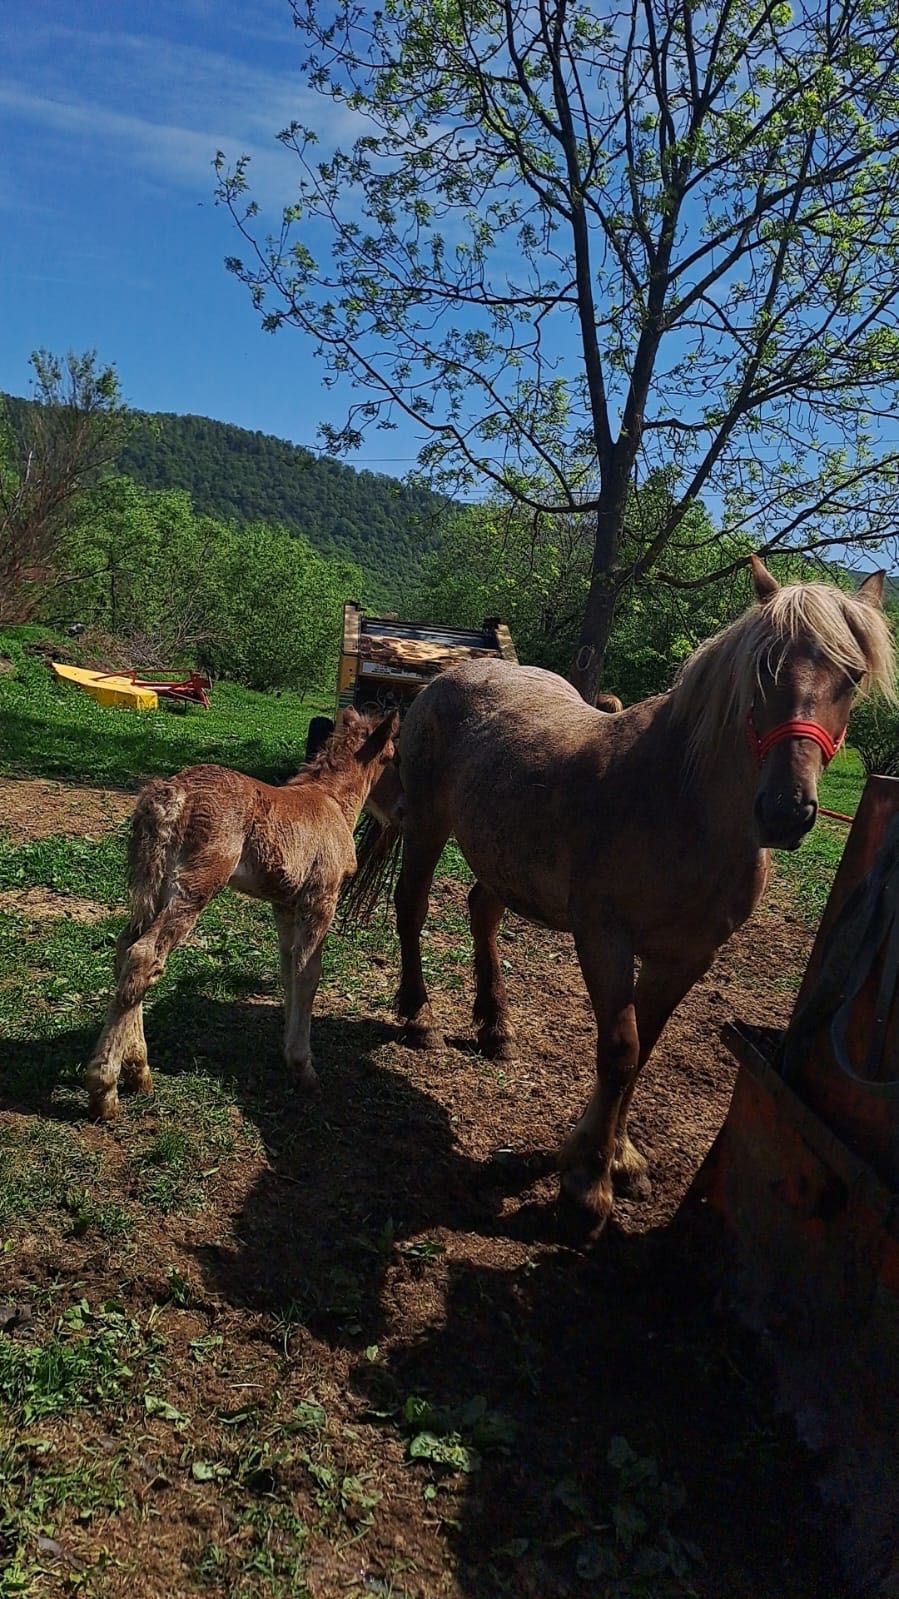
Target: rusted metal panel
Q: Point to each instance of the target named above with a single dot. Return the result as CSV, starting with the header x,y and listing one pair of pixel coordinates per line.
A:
x,y
371,683
805,1176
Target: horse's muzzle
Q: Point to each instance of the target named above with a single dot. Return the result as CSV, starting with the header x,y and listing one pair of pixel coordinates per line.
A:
x,y
783,824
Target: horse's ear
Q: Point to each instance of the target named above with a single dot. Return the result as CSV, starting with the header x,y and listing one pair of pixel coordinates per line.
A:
x,y
764,584
871,591
349,716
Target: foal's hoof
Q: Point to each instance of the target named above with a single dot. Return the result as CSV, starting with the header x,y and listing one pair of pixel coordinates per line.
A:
x,y
496,1045
583,1208
137,1079
103,1106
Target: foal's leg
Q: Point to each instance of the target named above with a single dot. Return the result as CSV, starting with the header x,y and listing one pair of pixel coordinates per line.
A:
x,y
421,852
306,962
607,962
491,1004
660,988
285,923
135,1065
140,965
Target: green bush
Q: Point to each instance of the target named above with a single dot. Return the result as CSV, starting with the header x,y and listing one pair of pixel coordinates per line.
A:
x,y
254,604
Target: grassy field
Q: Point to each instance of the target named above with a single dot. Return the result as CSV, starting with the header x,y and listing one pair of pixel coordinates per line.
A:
x,y
131,1399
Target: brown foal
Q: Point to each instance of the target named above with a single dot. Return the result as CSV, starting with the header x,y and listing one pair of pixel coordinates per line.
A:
x,y
208,828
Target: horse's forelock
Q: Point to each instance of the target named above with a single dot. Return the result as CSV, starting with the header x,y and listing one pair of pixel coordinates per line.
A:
x,y
716,685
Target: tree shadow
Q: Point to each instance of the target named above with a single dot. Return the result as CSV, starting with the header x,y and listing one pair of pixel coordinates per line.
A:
x,y
124,756
569,1353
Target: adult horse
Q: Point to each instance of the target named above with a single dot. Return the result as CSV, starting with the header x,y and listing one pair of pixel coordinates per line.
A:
x,y
645,834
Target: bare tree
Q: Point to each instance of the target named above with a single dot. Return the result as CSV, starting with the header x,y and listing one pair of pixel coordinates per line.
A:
x,y
51,453
575,245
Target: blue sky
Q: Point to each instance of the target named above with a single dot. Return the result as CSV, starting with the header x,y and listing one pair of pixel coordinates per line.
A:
x,y
111,112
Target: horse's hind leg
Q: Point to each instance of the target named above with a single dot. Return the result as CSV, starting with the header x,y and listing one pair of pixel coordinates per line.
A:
x,y
491,1005
139,965
421,852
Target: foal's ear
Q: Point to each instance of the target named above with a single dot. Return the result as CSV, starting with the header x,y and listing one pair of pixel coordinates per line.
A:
x,y
349,716
764,584
380,735
871,591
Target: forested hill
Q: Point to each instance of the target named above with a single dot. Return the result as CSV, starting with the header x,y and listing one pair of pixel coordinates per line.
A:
x,y
371,518
374,520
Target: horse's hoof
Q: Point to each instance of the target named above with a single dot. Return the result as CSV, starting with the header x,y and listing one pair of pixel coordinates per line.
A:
x,y
583,1208
631,1179
418,1035
496,1045
305,1076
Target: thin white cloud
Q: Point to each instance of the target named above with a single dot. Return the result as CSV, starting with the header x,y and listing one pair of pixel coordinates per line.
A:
x,y
167,107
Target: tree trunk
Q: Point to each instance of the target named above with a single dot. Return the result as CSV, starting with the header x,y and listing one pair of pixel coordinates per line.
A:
x,y
599,611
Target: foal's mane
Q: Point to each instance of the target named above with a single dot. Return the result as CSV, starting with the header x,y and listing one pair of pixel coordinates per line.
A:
x,y
715,687
337,752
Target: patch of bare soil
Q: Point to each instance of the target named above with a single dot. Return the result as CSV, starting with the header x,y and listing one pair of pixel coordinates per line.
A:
x,y
398,1237
43,905
35,807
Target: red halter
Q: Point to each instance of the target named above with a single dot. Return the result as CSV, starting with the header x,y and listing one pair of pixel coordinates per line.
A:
x,y
760,745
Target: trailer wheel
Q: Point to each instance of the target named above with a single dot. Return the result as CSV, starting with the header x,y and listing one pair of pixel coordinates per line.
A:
x,y
320,730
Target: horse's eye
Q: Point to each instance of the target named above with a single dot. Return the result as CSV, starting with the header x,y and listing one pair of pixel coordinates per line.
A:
x,y
854,680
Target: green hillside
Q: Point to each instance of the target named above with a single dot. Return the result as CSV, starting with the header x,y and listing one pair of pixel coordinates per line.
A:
x,y
380,523
368,517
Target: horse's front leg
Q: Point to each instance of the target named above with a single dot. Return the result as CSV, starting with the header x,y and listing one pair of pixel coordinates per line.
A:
x,y
491,1005
607,961
661,986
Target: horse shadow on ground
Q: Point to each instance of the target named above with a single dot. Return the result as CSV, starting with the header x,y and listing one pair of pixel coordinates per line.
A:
x,y
538,1358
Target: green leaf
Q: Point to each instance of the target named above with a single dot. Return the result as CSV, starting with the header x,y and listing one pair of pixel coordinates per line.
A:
x,y
449,1452
156,1406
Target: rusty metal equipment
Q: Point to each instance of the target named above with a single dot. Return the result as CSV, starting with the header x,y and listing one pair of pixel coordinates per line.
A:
x,y
384,662
805,1174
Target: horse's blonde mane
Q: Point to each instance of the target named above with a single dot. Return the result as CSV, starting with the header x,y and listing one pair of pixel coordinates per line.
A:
x,y
714,689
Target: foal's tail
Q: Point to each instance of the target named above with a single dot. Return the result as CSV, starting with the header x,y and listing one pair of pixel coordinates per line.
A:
x,y
157,829
377,858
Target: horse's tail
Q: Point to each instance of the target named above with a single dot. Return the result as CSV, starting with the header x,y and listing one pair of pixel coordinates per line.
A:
x,y
377,858
157,830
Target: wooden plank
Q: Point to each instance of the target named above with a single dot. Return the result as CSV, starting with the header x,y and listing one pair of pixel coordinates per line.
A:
x,y
352,619
504,644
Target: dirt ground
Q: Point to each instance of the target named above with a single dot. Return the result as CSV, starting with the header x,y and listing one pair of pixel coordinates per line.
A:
x,y
36,807
399,1237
